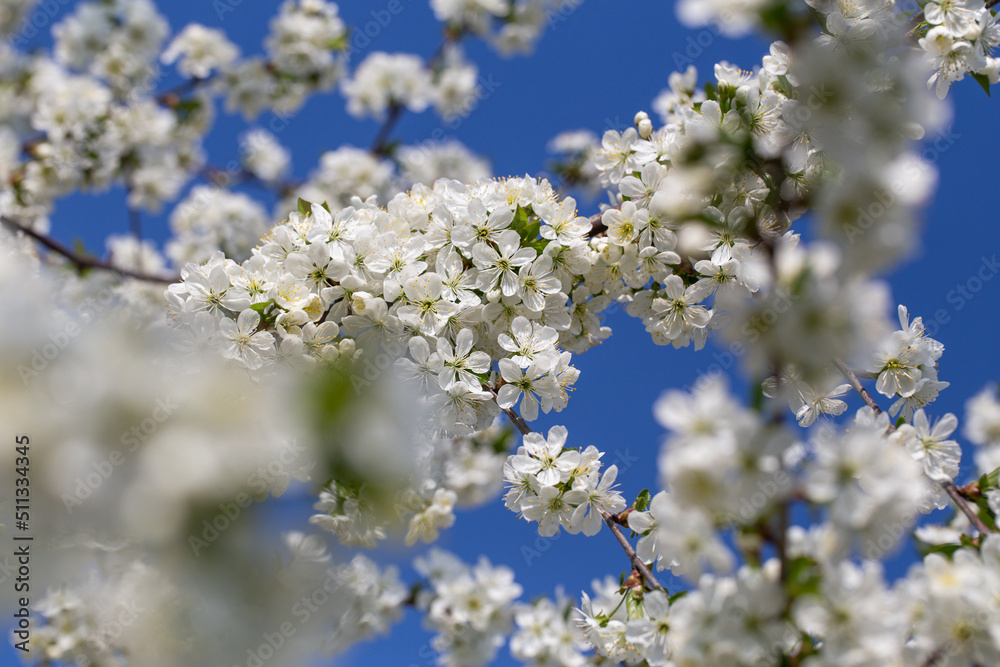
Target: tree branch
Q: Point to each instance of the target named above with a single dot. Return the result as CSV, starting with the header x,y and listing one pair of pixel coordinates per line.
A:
x,y
630,552
852,379
81,262
956,497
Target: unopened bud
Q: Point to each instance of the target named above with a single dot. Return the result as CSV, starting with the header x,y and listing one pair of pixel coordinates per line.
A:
x,y
645,128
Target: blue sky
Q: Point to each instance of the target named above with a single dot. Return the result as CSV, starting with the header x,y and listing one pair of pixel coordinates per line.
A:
x,y
595,69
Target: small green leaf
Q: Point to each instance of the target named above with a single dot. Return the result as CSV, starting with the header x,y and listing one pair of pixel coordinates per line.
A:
x,y
327,207
802,577
538,244
262,307
677,596
943,549
305,208
641,503
525,228
784,86
983,81
989,481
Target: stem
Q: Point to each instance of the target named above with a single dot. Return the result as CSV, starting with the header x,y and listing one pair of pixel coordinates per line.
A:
x,y
630,552
380,145
852,379
135,223
169,97
948,486
518,421
81,262
956,497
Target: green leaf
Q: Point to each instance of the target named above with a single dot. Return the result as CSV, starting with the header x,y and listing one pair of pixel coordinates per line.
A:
x,y
757,398
525,227
327,207
989,481
266,309
305,208
802,577
784,86
677,596
538,244
641,503
983,81
943,549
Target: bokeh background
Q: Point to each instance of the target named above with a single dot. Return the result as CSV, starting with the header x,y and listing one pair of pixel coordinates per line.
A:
x,y
594,68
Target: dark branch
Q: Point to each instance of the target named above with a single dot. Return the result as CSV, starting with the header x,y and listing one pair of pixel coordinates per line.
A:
x,y
81,262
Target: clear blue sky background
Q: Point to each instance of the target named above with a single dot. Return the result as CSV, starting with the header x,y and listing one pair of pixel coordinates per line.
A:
x,y
596,68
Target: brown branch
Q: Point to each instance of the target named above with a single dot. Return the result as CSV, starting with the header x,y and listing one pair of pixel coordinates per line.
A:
x,y
171,96
948,486
380,145
518,421
956,497
81,262
630,552
852,379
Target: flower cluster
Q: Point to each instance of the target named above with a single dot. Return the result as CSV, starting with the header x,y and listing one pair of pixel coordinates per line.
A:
x,y
547,634
513,26
459,277
475,294
626,625
559,487
102,620
906,366
960,41
305,54
471,608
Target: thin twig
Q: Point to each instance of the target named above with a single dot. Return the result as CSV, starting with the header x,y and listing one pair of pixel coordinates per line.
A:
x,y
852,379
518,421
953,493
83,263
380,145
630,552
171,96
